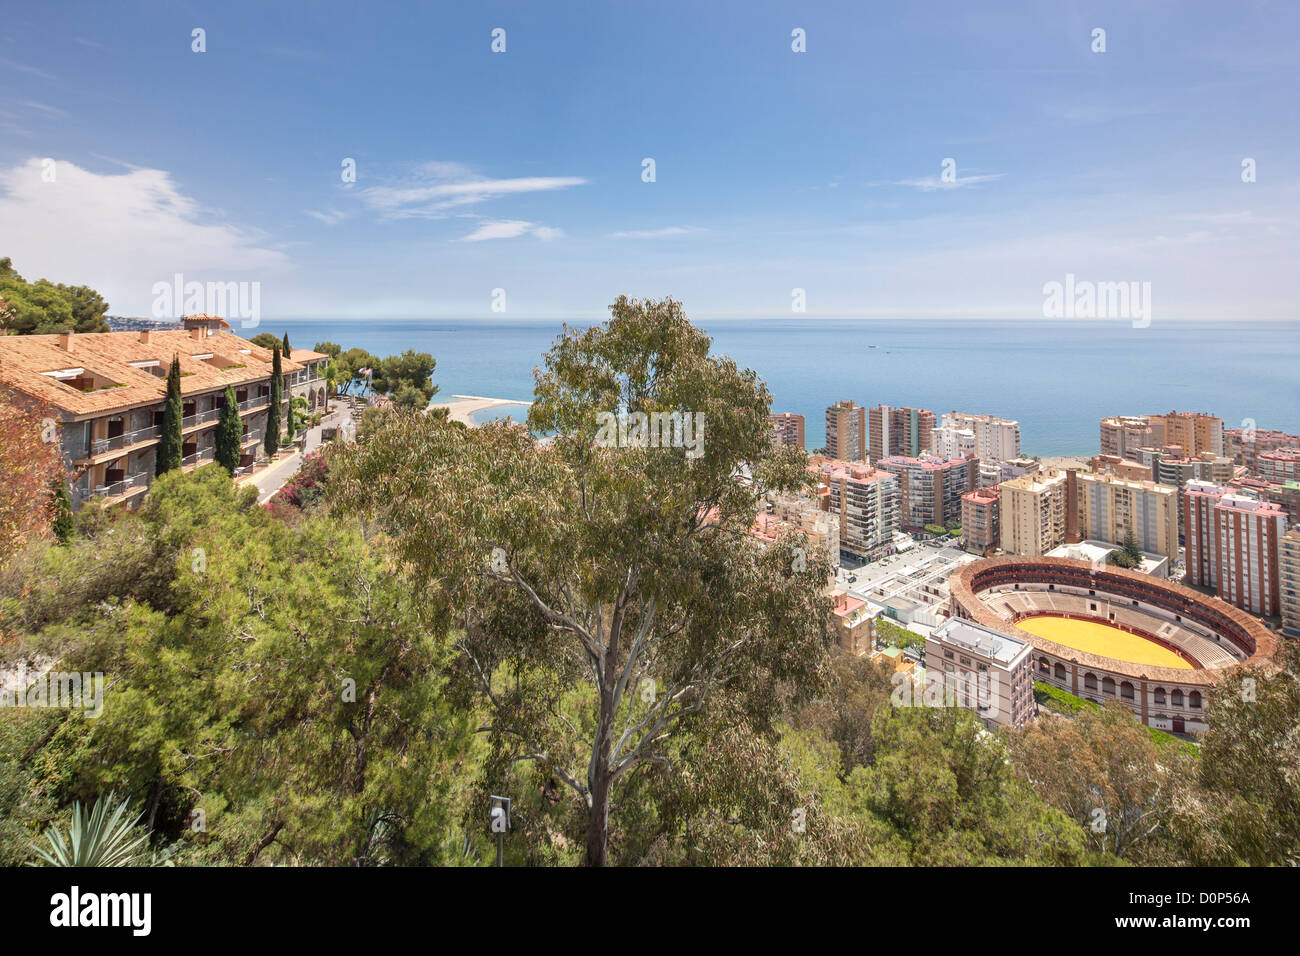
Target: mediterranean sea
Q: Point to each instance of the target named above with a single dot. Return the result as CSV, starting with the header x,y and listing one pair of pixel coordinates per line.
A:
x,y
1058,378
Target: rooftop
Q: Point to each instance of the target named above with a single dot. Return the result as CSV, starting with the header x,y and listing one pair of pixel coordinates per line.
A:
x,y
981,640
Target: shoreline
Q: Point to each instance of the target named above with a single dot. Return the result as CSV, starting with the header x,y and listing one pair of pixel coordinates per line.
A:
x,y
465,406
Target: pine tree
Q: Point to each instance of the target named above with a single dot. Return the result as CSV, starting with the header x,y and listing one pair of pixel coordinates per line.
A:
x,y
168,452
272,442
1132,548
62,523
229,432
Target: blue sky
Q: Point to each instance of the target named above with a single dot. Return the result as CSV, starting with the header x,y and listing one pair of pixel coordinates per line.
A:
x,y
775,170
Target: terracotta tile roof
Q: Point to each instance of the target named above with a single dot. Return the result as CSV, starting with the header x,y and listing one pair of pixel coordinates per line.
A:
x,y
24,359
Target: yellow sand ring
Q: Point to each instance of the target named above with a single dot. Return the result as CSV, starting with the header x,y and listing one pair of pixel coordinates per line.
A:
x,y
1094,637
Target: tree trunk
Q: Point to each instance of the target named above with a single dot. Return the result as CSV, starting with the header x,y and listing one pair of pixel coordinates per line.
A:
x,y
598,785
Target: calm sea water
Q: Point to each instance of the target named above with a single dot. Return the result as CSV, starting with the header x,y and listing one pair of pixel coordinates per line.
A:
x,y
1058,378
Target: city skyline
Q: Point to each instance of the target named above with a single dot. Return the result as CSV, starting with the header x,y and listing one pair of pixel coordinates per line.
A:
x,y
823,171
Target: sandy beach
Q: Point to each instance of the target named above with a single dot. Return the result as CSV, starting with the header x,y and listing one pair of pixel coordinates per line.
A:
x,y
464,406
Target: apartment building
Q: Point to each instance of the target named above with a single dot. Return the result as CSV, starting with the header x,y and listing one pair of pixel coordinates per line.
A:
x,y
846,432
780,514
1123,435
854,624
930,488
1032,513
1170,467
1120,468
993,437
985,671
952,441
1289,582
1243,446
1234,545
787,429
981,530
1109,507
1197,433
107,391
1278,467
865,500
900,431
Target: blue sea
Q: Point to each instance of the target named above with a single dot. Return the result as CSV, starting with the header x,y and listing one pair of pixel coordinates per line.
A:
x,y
1057,377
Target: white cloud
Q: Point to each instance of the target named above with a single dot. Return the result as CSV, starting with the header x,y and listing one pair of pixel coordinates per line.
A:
x,y
331,217
437,187
668,232
120,233
929,184
511,229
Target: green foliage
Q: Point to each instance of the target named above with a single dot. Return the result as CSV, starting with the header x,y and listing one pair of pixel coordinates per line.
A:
x,y
892,634
106,836
168,451
1060,700
42,307
229,434
62,523
408,378
266,340
285,345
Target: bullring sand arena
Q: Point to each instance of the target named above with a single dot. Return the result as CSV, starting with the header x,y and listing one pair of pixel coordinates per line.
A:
x,y
1105,633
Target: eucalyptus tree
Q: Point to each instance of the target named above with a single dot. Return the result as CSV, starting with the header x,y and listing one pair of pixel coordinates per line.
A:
x,y
616,615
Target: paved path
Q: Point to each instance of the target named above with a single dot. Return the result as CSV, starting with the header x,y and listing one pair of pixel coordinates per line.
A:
x,y
466,405
271,479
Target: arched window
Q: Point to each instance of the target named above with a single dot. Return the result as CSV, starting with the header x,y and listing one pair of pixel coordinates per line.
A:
x,y
1108,686
1126,690
1043,665
1060,672
1160,696
1176,699
1090,682
1194,700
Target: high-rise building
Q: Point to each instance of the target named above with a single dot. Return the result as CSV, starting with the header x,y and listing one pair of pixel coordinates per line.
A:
x,y
1244,445
980,528
846,432
1233,546
1195,432
1289,582
951,441
865,500
900,431
1032,513
1123,435
1120,468
994,437
1110,507
1170,467
787,429
1279,467
930,488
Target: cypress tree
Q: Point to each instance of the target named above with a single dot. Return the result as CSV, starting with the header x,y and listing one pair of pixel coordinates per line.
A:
x,y
229,433
288,420
272,442
168,452
286,344
62,523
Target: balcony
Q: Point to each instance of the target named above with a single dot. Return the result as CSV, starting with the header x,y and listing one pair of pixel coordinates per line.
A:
x,y
258,402
116,489
190,421
207,454
125,440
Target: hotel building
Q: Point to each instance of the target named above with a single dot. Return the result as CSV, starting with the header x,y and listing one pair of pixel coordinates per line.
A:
x,y
846,432
1110,507
787,429
930,489
1289,582
865,500
995,438
1032,513
986,671
980,528
900,431
1233,546
107,392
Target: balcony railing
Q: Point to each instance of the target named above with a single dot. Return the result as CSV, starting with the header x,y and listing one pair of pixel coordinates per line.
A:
x,y
125,440
116,488
189,421
256,402
199,456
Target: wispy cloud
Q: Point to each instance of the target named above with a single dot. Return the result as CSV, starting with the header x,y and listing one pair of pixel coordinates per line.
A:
x,y
512,229
331,217
24,68
51,110
668,232
930,184
438,187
